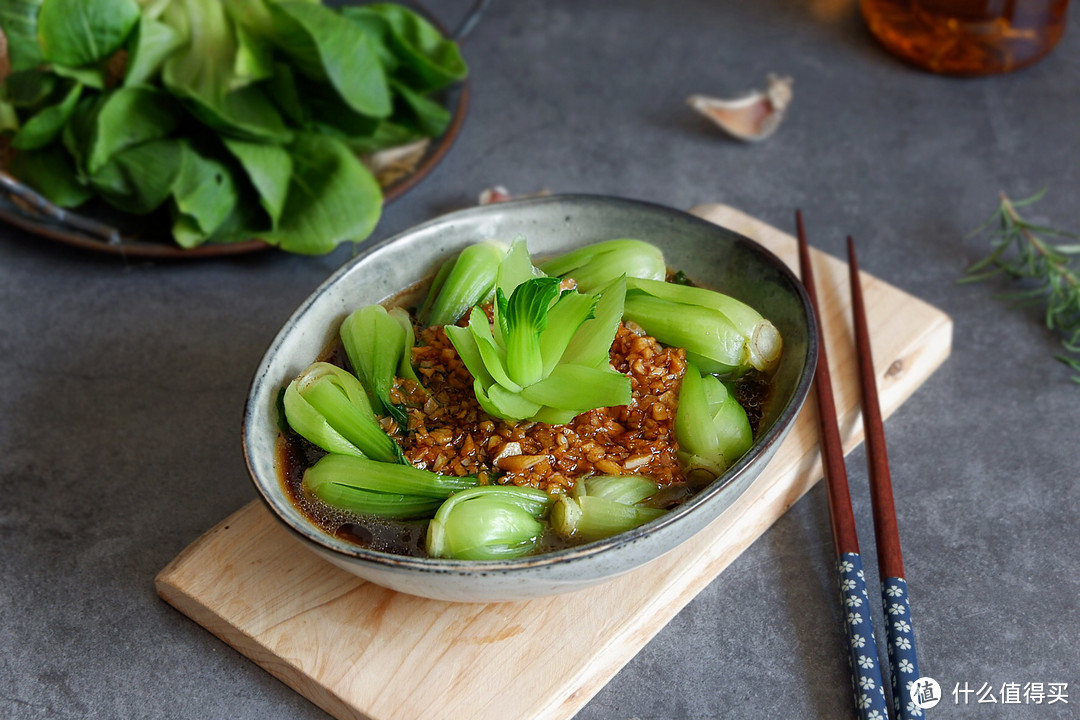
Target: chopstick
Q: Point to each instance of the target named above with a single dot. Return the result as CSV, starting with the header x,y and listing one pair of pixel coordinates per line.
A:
x,y
903,664
866,675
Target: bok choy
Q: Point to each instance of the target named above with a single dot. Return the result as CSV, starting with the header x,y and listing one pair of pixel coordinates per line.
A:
x,y
329,407
488,523
517,361
239,118
378,346
603,506
596,266
369,487
711,426
720,334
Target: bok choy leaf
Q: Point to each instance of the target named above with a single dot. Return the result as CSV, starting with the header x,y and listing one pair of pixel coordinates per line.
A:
x,y
77,32
283,94
519,369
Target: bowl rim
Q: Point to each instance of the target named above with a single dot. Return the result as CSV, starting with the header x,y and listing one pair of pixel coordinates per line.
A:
x,y
762,445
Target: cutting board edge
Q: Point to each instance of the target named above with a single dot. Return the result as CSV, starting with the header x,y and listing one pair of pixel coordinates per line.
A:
x,y
250,647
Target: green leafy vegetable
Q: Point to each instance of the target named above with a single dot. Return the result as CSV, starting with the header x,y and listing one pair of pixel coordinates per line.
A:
x,y
425,59
203,197
139,179
269,169
522,318
91,76
596,266
761,340
376,345
603,506
626,489
369,487
332,198
468,281
520,370
405,368
488,523
29,88
255,110
19,21
201,72
710,425
51,171
329,407
128,117
43,128
149,45
325,48
77,32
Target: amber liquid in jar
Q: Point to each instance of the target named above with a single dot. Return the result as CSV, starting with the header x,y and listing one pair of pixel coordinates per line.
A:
x,y
967,37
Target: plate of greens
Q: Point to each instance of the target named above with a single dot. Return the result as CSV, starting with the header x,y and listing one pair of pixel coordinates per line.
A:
x,y
194,128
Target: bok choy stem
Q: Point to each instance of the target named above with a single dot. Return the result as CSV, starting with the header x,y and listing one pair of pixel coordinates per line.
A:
x,y
488,523
710,425
596,517
594,267
376,345
469,282
708,336
328,406
374,476
761,341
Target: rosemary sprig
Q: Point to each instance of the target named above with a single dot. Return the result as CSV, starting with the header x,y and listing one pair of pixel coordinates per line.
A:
x,y
1022,251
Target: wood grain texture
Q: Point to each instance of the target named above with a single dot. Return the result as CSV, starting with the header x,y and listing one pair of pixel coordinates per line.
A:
x,y
360,651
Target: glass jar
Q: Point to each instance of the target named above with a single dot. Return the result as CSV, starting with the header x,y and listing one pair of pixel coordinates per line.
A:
x,y
967,37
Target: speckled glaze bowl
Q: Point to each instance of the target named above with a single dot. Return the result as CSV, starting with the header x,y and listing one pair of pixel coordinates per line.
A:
x,y
711,255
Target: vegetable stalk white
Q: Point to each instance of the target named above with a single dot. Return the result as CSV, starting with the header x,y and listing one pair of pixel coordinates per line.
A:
x,y
488,523
681,315
596,266
602,506
710,425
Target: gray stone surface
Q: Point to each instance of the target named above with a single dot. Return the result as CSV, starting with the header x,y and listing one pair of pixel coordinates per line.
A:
x,y
122,382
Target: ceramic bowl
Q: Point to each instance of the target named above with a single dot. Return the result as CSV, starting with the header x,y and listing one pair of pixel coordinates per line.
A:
x,y
711,255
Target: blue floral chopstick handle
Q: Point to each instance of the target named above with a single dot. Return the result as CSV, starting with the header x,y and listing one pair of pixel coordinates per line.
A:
x,y
865,673
905,666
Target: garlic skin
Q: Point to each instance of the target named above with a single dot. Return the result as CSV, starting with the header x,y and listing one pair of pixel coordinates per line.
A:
x,y
752,117
499,193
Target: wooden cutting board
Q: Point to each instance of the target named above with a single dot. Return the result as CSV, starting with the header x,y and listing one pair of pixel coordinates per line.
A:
x,y
360,651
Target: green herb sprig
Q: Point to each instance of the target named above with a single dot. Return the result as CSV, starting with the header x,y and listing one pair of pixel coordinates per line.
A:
x,y
1023,250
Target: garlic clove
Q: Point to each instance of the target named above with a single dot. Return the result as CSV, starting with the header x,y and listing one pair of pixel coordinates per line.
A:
x,y
499,193
751,117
